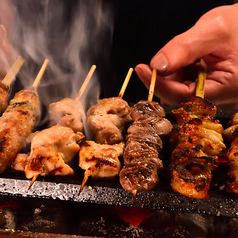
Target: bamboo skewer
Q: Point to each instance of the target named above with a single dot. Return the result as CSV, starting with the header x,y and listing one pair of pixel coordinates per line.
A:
x,y
125,83
86,81
200,86
40,74
152,85
10,76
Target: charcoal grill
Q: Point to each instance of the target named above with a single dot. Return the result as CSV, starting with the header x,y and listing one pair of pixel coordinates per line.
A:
x,y
110,193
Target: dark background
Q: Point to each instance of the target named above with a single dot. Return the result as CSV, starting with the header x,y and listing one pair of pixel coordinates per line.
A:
x,y
141,28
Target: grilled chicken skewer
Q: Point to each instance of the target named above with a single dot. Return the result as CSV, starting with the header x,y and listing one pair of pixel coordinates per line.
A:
x,y
231,136
143,144
6,83
109,119
16,124
51,151
68,112
53,148
196,142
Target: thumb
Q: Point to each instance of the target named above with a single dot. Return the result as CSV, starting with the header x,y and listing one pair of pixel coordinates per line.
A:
x,y
184,49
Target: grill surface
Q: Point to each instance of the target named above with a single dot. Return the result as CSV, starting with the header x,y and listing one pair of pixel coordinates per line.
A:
x,y
220,203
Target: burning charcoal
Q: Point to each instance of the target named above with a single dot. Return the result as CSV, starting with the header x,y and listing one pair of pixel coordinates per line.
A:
x,y
7,219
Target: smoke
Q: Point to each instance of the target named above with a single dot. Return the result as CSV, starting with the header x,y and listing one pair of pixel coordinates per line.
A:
x,y
71,34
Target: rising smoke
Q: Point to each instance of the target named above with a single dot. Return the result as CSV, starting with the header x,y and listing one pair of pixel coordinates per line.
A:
x,y
72,35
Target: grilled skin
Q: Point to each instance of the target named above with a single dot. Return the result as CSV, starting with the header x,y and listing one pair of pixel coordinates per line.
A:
x,y
66,112
143,144
4,96
16,123
109,119
51,150
100,161
196,143
231,135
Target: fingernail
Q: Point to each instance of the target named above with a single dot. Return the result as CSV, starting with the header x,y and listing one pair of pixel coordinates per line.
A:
x,y
160,62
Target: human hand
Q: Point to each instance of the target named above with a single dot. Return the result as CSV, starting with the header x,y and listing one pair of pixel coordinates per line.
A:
x,y
214,40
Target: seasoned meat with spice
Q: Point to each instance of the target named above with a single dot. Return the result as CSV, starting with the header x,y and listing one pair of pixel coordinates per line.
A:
x,y
100,160
196,143
51,151
16,123
143,144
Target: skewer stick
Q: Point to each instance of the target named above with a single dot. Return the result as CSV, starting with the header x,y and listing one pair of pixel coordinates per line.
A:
x,y
10,76
125,83
200,84
40,74
86,81
152,85
32,181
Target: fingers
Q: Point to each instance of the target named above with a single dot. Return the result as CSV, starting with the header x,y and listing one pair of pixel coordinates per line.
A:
x,y
168,89
204,38
144,72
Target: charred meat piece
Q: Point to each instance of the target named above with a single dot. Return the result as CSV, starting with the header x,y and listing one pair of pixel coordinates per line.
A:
x,y
109,119
100,160
191,176
196,143
232,156
231,135
66,112
16,123
198,106
51,151
143,144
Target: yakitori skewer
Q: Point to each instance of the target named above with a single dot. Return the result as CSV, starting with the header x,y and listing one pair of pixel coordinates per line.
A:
x,y
6,83
109,118
69,112
196,142
16,124
200,86
143,144
34,87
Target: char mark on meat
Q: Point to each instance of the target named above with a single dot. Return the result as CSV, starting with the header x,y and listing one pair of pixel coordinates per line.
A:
x,y
143,144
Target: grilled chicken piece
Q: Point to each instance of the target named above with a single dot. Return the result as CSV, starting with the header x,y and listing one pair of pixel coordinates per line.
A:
x,y
191,176
196,142
109,119
66,112
231,135
100,160
51,150
143,144
16,123
198,106
195,127
4,96
232,156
